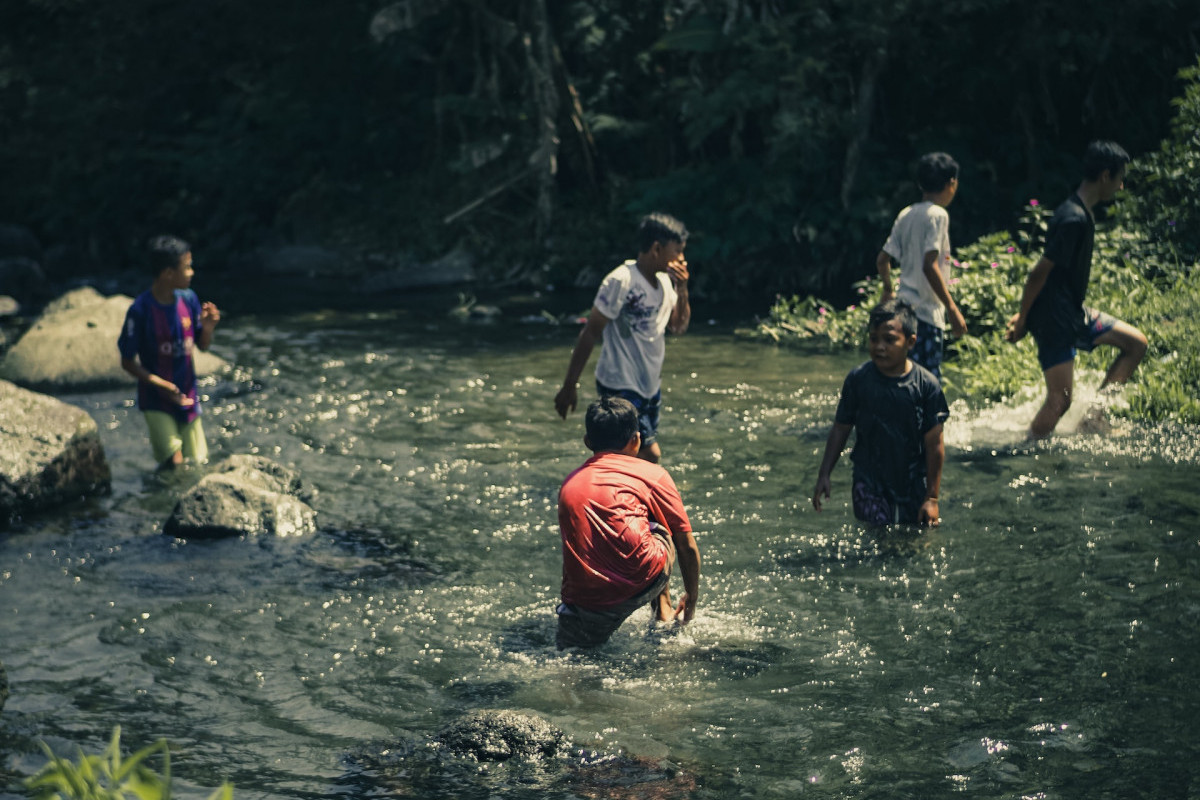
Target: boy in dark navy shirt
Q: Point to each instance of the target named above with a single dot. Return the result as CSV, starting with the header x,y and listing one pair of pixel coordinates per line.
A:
x,y
161,328
1052,304
896,407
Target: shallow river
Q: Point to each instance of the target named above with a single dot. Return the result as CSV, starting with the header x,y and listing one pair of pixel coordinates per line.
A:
x,y
1042,643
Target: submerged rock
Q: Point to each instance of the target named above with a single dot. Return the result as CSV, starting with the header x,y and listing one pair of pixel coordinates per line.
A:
x,y
501,735
50,453
73,346
244,495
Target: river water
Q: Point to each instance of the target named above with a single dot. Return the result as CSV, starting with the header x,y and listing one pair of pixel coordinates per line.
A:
x,y
1042,643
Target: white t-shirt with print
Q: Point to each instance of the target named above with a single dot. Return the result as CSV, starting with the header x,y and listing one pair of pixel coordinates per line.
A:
x,y
918,229
634,342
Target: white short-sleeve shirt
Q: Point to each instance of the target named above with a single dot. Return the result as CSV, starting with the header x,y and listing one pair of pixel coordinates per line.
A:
x,y
918,229
634,341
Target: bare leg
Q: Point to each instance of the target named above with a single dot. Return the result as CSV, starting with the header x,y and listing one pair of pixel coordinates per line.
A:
x,y
1060,380
1132,344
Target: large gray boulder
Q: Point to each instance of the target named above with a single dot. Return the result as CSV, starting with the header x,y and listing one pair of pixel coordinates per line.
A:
x,y
73,346
501,735
244,495
50,453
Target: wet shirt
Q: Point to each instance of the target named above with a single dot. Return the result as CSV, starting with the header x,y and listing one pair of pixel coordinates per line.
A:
x,y
162,337
891,417
604,512
634,341
1057,312
918,229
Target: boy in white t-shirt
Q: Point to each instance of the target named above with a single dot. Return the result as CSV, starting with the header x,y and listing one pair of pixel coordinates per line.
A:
x,y
920,241
642,299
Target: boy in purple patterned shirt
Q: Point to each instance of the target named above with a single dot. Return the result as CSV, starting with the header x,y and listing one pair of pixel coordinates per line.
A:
x,y
161,328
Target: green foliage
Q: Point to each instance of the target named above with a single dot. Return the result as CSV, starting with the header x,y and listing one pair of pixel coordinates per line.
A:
x,y
782,133
109,776
1166,184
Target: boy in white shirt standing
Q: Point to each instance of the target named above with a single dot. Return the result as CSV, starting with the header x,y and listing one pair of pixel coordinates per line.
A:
x,y
920,242
643,298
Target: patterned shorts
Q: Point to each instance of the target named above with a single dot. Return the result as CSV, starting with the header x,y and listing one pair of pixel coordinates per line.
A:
x,y
875,509
928,350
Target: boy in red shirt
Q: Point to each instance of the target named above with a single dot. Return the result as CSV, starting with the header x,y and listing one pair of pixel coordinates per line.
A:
x,y
622,523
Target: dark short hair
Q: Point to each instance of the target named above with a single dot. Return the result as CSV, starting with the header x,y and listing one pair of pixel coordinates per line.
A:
x,y
897,310
1102,156
610,423
164,252
935,170
658,227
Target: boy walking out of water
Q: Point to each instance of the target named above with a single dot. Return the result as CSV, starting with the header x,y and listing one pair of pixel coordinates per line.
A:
x,y
636,304
920,242
1052,304
896,407
161,328
622,523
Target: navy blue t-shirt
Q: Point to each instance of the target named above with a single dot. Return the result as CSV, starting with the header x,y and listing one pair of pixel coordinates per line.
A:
x,y
891,417
1057,313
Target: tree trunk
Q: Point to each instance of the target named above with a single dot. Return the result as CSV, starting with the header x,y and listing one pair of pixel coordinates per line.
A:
x,y
539,51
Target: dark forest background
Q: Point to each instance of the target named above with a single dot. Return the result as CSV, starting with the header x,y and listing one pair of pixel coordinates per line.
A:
x,y
532,133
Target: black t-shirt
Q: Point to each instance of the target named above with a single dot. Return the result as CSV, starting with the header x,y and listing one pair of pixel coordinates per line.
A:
x,y
891,417
1057,312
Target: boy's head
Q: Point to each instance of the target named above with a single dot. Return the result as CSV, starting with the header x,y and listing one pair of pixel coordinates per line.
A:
x,y
935,172
611,424
166,252
895,309
660,228
1101,157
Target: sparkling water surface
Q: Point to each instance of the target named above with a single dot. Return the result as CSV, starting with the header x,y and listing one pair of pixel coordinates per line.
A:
x,y
1042,643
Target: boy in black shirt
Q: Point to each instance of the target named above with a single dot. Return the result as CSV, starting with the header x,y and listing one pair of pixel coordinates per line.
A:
x,y
897,409
1052,303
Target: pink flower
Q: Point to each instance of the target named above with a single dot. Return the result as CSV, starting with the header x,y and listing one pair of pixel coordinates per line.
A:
x,y
953,281
1033,202
995,264
1010,249
955,262
850,308
821,310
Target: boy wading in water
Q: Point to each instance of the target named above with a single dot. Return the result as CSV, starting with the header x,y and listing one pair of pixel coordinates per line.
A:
x,y
896,408
920,241
623,524
636,304
161,328
1052,304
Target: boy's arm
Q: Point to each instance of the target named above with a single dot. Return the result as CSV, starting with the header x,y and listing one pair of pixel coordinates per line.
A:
x,y
681,314
936,282
688,556
1033,287
935,456
210,315
834,446
567,396
883,265
143,375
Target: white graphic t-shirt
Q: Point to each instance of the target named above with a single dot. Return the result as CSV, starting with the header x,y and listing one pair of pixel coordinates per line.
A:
x,y
918,229
635,337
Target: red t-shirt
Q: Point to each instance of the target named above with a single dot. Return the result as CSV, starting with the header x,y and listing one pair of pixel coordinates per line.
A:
x,y
604,513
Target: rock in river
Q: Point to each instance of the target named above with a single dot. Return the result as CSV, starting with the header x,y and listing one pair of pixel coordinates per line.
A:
x,y
244,495
50,453
501,735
